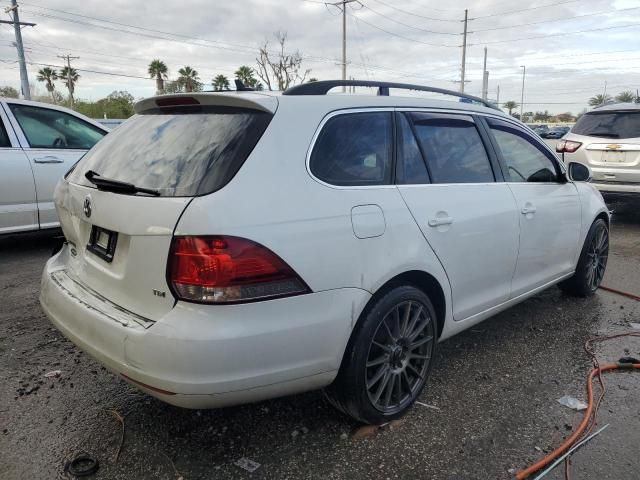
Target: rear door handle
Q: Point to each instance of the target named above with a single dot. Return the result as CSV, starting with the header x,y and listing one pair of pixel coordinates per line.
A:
x,y
528,209
48,159
438,221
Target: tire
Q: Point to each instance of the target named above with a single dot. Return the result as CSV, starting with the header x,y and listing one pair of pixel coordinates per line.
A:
x,y
591,264
393,344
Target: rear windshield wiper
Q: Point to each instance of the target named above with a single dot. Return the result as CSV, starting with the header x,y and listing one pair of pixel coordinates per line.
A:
x,y
111,185
603,134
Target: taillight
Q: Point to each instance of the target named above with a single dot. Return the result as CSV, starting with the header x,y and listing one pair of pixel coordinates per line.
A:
x,y
225,269
567,146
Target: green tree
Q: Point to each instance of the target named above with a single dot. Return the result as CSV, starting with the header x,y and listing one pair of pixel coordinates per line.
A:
x,y
118,104
565,117
48,75
9,92
70,76
173,86
189,79
158,70
600,99
220,83
626,97
247,76
510,106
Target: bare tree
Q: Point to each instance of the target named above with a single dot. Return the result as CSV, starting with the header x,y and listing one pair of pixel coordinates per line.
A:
x,y
280,69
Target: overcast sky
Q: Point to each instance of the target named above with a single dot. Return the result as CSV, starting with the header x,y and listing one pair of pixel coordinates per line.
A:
x,y
414,41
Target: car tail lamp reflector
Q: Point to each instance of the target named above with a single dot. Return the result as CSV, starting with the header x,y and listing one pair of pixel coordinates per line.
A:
x,y
226,269
567,146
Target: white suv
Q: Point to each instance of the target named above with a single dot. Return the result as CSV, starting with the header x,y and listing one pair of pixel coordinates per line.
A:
x,y
607,139
231,247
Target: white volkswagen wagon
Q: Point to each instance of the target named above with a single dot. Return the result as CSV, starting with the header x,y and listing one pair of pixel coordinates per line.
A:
x,y
231,247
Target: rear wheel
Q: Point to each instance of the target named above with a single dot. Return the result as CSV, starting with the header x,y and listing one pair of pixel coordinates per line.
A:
x,y
388,358
592,262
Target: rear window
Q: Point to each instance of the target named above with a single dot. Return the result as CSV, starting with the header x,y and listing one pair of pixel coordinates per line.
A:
x,y
181,152
609,125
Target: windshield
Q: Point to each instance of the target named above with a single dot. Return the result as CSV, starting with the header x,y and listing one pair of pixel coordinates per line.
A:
x,y
609,124
178,152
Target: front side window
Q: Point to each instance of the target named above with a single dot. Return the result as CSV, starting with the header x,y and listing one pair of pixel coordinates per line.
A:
x,y
453,148
354,149
525,161
47,128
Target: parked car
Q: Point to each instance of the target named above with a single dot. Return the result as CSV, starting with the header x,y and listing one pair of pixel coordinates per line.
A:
x,y
555,133
38,144
224,248
607,140
540,129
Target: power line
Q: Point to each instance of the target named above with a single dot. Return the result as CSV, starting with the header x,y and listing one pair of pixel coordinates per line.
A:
x,y
509,12
406,24
554,20
402,36
562,34
413,14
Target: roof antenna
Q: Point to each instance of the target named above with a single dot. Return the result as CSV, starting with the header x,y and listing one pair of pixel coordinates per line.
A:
x,y
241,87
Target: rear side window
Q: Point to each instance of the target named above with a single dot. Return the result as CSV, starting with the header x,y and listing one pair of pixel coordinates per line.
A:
x,y
609,125
47,128
525,161
185,151
410,168
354,149
453,148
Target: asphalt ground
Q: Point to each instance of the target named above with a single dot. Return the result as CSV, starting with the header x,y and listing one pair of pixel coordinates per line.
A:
x,y
495,388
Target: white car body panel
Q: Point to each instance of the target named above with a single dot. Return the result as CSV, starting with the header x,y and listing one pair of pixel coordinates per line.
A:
x,y
22,199
346,243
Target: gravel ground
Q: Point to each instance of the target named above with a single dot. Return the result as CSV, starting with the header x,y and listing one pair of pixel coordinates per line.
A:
x,y
494,386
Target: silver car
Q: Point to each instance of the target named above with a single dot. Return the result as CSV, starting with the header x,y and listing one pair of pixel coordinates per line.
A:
x,y
607,139
39,143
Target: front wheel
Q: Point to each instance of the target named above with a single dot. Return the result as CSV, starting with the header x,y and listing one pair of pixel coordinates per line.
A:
x,y
388,358
592,262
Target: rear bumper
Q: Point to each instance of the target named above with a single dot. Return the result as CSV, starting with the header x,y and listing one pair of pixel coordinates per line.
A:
x,y
618,189
209,356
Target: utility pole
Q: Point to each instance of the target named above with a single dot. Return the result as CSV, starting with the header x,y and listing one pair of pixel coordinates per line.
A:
x,y
464,51
604,94
343,4
24,80
485,77
524,71
498,95
68,58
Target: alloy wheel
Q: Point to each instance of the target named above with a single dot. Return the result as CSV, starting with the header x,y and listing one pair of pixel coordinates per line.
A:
x,y
597,256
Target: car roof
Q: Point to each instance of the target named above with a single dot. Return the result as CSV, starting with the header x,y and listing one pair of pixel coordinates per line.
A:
x,y
269,101
616,107
53,107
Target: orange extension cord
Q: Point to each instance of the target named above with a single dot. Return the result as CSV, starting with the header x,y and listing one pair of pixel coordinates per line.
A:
x,y
543,462
589,416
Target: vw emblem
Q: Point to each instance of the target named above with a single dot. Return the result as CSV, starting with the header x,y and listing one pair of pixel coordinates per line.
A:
x,y
86,207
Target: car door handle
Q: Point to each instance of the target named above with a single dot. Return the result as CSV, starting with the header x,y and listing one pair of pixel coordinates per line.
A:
x,y
528,209
438,221
48,159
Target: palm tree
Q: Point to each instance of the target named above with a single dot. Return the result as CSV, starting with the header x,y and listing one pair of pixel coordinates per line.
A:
x,y
158,70
626,97
188,78
600,99
220,83
247,76
70,77
510,105
48,75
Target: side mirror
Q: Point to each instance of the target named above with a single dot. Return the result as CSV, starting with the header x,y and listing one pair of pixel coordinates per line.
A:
x,y
579,172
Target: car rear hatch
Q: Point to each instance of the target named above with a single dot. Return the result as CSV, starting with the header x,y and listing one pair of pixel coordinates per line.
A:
x,y
176,148
611,144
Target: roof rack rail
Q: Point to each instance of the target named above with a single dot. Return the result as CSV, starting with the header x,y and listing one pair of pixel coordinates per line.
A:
x,y
321,87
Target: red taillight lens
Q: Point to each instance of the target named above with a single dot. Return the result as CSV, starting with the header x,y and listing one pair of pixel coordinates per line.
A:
x,y
224,269
567,146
